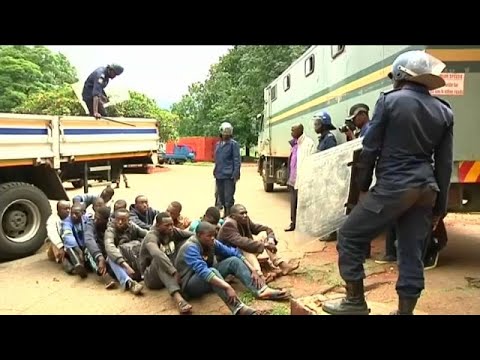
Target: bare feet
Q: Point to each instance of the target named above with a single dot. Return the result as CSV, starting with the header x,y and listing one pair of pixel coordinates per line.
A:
x,y
183,306
287,268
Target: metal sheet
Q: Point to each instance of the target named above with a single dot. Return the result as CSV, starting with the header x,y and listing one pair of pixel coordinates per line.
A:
x,y
323,187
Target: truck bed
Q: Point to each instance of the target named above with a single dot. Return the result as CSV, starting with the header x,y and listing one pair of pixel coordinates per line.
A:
x,y
30,139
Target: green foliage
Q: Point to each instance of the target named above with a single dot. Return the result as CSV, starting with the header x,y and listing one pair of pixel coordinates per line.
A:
x,y
141,106
234,91
61,101
27,70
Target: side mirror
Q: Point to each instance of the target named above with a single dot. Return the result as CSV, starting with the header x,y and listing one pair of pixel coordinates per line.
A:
x,y
260,122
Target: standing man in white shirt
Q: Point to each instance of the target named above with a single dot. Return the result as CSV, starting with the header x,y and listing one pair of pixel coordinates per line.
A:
x,y
302,147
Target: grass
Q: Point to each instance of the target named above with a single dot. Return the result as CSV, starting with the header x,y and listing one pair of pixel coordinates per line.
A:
x,y
247,298
280,310
198,163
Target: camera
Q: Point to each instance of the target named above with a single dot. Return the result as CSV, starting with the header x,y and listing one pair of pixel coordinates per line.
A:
x,y
349,125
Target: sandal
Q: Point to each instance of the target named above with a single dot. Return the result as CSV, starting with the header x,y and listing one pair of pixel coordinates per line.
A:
x,y
184,307
247,310
275,295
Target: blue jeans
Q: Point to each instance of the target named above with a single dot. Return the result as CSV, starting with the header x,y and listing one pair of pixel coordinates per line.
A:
x,y
196,286
120,272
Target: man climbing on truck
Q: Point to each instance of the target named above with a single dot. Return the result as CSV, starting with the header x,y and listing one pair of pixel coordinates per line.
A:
x,y
93,93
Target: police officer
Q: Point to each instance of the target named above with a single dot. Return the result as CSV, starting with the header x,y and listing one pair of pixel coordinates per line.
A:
x,y
410,130
93,93
227,167
323,124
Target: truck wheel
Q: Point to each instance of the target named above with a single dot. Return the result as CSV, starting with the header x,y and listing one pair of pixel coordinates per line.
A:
x,y
24,210
268,187
471,196
171,162
77,184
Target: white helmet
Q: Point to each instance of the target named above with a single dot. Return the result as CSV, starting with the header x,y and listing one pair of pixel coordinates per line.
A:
x,y
420,67
226,128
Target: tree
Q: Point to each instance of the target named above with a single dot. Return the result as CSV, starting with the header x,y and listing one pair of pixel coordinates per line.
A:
x,y
61,101
234,91
141,106
27,70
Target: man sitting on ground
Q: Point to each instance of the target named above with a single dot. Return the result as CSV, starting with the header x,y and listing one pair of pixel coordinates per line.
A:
x,y
212,216
119,204
55,248
157,255
238,231
201,273
141,214
73,233
122,244
88,199
94,241
175,209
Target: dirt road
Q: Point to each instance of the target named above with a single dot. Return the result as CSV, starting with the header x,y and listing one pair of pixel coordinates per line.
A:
x,y
36,286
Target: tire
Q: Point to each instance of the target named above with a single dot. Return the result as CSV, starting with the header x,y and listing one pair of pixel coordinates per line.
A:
x,y
77,184
268,187
24,210
471,193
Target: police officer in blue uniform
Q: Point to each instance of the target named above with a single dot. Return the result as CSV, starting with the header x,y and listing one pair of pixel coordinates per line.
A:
x,y
93,93
227,168
410,144
323,124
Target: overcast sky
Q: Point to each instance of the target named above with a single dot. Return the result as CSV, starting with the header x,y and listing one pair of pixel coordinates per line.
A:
x,y
162,72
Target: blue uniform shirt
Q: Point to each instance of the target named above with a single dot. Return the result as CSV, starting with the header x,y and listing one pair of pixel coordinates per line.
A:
x,y
410,130
227,160
364,129
95,84
326,141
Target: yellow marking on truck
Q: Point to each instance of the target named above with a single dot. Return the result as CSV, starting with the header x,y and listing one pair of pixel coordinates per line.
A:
x,y
446,55
354,85
111,156
453,55
7,163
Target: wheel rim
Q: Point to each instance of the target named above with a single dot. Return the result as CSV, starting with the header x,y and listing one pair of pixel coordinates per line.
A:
x,y
20,220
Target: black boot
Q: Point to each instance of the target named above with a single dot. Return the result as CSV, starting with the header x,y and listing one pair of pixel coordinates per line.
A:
x,y
76,262
405,306
353,304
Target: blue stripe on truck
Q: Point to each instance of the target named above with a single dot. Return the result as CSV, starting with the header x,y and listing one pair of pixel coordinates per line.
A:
x,y
108,131
40,131
23,131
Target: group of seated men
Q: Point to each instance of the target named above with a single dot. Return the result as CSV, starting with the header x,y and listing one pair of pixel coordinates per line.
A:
x,y
163,249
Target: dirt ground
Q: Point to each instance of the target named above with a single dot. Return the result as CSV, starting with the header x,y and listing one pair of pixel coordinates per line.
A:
x,y
35,285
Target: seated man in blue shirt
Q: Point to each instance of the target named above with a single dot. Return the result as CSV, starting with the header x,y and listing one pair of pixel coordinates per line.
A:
x,y
73,236
200,272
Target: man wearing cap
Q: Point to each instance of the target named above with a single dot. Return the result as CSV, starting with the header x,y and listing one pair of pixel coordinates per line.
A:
x,y
93,93
358,114
410,145
323,124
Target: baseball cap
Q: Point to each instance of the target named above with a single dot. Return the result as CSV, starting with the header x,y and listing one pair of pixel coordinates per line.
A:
x,y
356,109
